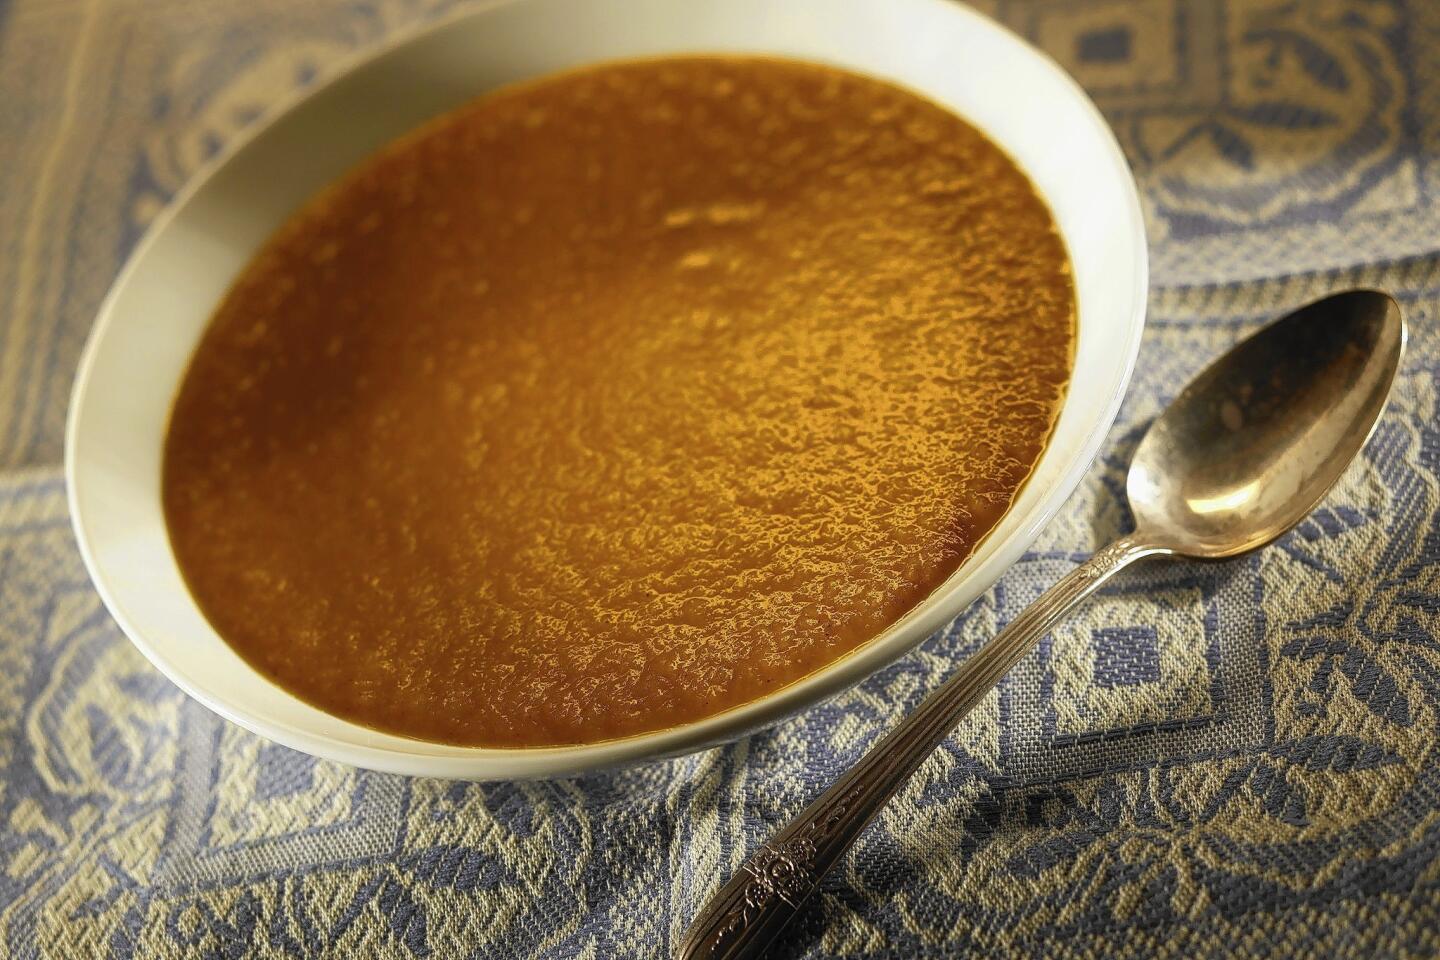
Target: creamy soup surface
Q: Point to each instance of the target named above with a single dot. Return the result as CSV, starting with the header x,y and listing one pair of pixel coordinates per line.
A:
x,y
617,399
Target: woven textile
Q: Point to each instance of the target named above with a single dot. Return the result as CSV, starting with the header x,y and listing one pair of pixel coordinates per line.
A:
x,y
1235,759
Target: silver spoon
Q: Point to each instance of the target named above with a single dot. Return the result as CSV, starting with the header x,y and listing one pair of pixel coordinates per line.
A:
x,y
1241,455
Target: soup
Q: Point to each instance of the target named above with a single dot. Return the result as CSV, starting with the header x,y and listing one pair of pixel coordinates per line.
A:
x,y
614,400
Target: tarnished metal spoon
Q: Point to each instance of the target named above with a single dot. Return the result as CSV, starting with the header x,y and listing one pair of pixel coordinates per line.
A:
x,y
1241,455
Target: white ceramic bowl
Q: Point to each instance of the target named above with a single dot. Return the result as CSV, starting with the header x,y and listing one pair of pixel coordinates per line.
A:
x,y
156,311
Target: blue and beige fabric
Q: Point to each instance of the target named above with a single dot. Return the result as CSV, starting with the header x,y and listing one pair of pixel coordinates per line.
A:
x,y
1238,759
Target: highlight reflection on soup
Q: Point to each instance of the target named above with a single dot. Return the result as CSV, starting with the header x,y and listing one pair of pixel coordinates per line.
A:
x,y
614,400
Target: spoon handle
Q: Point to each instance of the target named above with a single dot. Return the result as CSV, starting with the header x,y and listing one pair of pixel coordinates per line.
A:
x,y
742,919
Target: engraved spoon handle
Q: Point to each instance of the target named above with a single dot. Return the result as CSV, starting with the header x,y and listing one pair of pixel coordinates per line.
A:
x,y
742,919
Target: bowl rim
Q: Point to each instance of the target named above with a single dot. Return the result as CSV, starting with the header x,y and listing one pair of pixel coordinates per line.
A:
x,y
480,763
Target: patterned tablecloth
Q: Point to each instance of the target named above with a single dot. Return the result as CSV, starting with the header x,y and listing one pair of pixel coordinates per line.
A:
x,y
1210,760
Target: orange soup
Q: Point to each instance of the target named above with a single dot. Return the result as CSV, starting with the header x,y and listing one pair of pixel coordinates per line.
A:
x,y
611,401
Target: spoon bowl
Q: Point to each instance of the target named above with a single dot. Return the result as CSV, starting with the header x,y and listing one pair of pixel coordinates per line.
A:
x,y
1253,443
